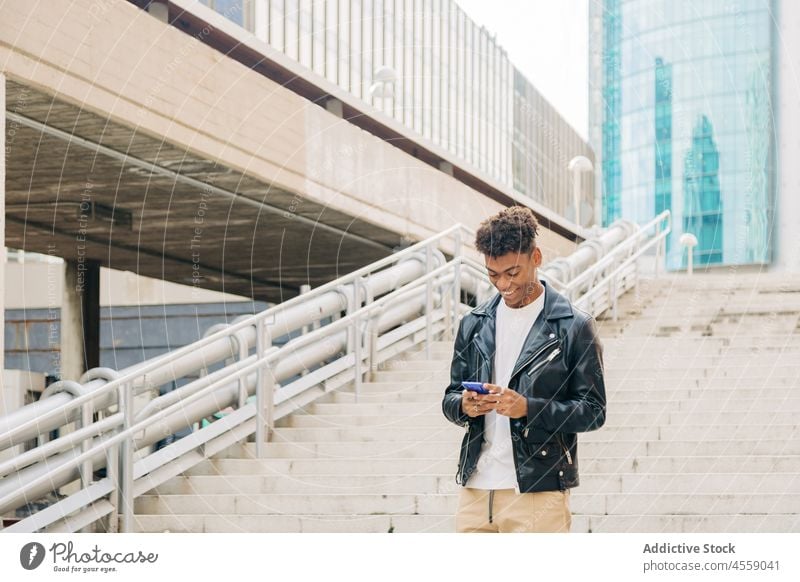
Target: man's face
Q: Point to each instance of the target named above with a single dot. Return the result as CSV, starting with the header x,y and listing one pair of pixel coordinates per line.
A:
x,y
514,276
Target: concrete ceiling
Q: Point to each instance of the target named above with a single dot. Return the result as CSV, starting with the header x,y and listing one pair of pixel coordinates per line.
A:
x,y
80,186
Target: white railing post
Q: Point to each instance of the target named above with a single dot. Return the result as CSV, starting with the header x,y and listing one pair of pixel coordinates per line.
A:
x,y
112,472
357,336
658,251
372,339
446,301
87,468
367,332
125,488
614,291
304,289
428,302
352,305
243,354
456,283
265,388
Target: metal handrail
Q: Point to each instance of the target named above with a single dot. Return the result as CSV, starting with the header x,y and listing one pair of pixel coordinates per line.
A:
x,y
302,341
611,277
612,256
7,438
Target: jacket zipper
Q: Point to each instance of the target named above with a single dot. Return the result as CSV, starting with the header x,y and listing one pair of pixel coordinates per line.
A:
x,y
549,358
565,449
533,357
463,463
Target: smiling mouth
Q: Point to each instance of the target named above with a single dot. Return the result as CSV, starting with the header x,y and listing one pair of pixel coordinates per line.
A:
x,y
507,293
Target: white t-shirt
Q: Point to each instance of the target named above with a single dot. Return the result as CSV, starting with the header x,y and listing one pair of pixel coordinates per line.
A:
x,y
495,468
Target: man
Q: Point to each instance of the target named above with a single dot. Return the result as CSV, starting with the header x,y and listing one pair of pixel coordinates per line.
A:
x,y
541,361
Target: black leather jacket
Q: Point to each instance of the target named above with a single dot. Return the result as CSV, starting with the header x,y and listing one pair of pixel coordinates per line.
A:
x,y
559,371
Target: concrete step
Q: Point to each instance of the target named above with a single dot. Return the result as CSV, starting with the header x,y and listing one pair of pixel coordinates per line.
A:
x,y
714,367
390,395
410,396
731,523
366,450
305,523
593,445
320,483
443,504
431,419
398,434
745,484
649,337
657,379
752,405
718,377
430,386
771,312
759,421
434,419
421,377
597,483
686,464
443,354
614,350
619,409
354,466
448,431
404,365
627,393
682,504
345,406
338,503
745,397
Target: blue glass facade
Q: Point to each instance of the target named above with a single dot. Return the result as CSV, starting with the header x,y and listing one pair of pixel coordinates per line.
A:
x,y
685,121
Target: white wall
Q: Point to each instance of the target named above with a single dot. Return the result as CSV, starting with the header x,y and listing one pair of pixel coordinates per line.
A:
x,y
40,285
787,99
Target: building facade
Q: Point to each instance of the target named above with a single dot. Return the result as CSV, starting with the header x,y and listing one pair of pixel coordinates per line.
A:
x,y
430,67
681,113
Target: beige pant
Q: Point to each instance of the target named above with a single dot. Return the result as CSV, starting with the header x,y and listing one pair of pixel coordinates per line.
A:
x,y
504,510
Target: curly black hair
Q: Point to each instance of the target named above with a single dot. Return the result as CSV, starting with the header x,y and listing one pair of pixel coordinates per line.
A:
x,y
512,230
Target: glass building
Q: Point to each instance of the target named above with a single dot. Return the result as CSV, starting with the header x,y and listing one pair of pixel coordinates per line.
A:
x,y
680,113
448,80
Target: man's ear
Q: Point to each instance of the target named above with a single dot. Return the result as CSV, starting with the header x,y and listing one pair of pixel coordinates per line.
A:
x,y
537,257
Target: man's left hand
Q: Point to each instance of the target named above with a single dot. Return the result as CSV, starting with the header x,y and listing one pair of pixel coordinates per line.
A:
x,y
508,402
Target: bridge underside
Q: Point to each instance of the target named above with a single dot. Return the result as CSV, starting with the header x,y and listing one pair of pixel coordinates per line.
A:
x,y
83,187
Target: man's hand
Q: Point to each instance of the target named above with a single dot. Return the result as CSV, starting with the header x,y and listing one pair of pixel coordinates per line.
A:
x,y
474,404
507,402
504,400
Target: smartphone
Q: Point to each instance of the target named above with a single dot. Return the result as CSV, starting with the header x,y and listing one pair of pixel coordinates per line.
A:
x,y
475,387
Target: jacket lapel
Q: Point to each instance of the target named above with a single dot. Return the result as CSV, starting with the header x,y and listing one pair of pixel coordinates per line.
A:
x,y
485,339
555,307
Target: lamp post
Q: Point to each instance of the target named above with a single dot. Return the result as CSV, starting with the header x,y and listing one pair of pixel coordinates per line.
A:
x,y
385,78
577,165
689,241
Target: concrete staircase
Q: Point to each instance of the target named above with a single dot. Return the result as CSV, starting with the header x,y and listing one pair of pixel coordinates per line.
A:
x,y
382,462
703,381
